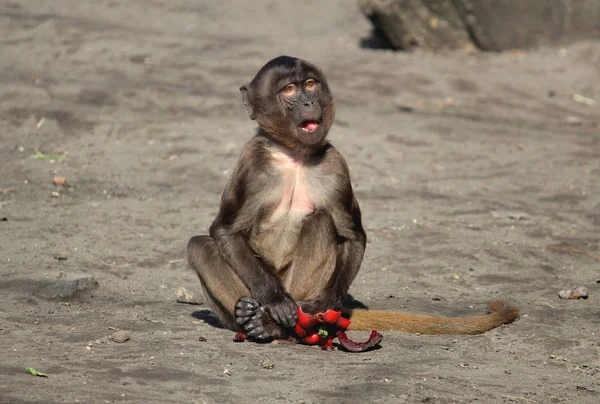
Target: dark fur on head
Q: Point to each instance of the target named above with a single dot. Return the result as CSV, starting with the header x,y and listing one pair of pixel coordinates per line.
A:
x,y
280,117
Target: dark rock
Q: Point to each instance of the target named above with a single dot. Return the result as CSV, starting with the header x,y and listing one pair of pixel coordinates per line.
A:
x,y
490,25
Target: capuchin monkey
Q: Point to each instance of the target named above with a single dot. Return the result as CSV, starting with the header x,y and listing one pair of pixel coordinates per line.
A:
x,y
289,228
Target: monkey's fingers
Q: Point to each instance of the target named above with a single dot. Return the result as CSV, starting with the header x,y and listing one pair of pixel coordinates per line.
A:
x,y
284,314
242,320
245,309
248,302
245,312
254,329
275,314
262,327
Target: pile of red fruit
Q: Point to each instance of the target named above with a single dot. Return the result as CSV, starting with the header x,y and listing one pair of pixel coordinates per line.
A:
x,y
322,328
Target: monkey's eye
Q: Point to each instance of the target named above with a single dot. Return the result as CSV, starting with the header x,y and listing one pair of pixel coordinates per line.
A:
x,y
289,90
310,84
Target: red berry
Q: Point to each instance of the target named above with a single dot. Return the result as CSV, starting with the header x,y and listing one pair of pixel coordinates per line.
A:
x,y
343,323
239,337
311,338
330,316
304,320
299,331
327,343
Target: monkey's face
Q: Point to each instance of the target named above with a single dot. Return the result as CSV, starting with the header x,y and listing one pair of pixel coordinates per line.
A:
x,y
302,109
291,101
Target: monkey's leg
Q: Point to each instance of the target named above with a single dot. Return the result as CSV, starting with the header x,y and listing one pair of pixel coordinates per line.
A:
x,y
314,259
226,293
309,272
324,265
222,287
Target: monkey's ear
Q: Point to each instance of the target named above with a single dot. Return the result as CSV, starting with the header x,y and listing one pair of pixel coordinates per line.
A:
x,y
244,91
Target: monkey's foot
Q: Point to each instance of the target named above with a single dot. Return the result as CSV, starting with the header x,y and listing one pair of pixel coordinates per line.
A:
x,y
319,305
245,309
256,323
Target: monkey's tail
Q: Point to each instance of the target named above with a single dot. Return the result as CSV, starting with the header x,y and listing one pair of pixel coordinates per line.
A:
x,y
501,313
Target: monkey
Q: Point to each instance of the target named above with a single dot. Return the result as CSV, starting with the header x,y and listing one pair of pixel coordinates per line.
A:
x,y
289,231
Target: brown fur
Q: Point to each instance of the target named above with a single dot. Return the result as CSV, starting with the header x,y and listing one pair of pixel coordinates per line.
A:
x,y
501,313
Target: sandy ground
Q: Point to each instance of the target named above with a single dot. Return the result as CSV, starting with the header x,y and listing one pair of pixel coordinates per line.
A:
x,y
478,176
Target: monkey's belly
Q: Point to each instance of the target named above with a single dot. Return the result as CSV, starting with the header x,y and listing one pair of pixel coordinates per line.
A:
x,y
275,240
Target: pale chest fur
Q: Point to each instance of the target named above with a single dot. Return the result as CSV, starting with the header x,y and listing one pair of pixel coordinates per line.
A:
x,y
296,195
299,192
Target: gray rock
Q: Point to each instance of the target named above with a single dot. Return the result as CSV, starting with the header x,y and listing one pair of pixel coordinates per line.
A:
x,y
69,289
121,336
60,256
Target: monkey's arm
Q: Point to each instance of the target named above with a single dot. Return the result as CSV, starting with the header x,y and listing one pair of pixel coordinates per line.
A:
x,y
350,234
238,211
235,249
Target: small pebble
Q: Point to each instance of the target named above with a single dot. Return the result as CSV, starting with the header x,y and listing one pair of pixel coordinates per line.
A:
x,y
186,296
267,364
59,180
61,256
577,292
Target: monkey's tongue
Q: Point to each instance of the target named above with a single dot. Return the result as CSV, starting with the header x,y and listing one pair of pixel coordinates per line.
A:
x,y
310,126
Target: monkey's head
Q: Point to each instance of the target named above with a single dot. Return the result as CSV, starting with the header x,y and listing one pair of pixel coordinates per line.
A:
x,y
290,100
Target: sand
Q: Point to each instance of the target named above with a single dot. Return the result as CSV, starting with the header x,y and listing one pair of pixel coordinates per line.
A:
x,y
478,176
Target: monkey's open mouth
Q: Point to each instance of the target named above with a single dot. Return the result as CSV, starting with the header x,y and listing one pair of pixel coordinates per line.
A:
x,y
309,126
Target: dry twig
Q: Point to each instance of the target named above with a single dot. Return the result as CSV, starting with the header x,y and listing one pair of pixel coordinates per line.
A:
x,y
571,250
541,302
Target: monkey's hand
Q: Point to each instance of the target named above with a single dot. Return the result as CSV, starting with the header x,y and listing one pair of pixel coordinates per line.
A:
x,y
283,311
258,322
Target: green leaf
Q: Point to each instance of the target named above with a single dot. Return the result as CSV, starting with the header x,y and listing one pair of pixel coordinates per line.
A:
x,y
34,372
41,156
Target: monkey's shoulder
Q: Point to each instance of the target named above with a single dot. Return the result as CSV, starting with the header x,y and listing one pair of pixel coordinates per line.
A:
x,y
255,155
332,162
